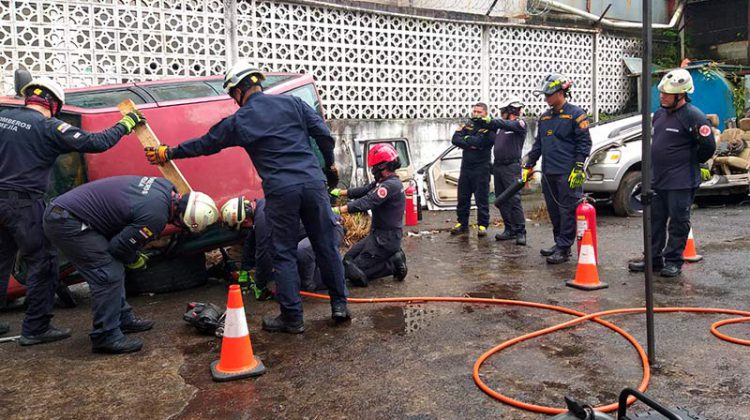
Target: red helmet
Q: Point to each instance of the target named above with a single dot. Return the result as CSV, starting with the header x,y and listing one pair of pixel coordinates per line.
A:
x,y
380,153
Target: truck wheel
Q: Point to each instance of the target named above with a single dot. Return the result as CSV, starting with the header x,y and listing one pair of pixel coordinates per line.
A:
x,y
627,199
168,275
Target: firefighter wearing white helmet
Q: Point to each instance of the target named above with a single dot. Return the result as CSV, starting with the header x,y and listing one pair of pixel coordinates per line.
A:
x,y
682,142
102,228
31,139
275,131
511,134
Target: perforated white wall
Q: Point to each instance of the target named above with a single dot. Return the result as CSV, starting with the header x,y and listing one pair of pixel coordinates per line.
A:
x,y
368,65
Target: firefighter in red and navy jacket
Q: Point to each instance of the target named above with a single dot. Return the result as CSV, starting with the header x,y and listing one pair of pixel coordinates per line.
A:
x,y
379,254
682,141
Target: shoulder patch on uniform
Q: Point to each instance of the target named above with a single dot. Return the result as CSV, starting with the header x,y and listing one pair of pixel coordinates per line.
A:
x,y
146,232
704,130
584,125
382,192
581,118
522,123
63,127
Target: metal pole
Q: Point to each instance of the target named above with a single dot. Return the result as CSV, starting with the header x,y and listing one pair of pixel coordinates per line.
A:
x,y
646,192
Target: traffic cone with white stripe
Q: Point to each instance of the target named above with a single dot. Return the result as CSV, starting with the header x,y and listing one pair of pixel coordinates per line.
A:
x,y
691,254
587,275
237,360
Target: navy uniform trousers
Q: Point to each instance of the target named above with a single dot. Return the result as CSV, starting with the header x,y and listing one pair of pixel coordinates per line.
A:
x,y
474,181
670,213
21,234
284,209
507,175
561,203
87,251
372,254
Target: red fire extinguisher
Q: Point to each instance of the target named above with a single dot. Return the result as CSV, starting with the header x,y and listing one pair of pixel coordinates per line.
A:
x,y
411,206
586,220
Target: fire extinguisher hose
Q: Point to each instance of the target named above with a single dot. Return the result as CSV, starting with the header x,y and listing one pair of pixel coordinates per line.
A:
x,y
580,318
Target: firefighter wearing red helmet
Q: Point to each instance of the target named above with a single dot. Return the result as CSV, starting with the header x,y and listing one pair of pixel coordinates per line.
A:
x,y
379,254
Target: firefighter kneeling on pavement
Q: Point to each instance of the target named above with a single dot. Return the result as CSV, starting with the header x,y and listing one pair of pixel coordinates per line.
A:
x,y
102,226
379,254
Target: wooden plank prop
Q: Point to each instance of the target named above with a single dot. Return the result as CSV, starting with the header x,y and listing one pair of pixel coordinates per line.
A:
x,y
149,139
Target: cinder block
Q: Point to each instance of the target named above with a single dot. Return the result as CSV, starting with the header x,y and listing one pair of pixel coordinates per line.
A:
x,y
745,124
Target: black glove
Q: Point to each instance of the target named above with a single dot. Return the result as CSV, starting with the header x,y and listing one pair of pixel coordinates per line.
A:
x,y
332,176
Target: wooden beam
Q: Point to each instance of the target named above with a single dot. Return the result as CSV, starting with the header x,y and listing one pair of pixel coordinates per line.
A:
x,y
149,139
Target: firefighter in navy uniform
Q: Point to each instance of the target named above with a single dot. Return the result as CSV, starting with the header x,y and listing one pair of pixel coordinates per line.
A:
x,y
379,254
563,141
511,134
476,139
31,139
101,228
682,141
275,131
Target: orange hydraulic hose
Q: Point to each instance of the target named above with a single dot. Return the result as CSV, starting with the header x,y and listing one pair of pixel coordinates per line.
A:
x,y
581,317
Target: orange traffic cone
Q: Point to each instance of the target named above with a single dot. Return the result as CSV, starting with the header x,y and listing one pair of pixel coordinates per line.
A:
x,y
237,360
587,276
691,254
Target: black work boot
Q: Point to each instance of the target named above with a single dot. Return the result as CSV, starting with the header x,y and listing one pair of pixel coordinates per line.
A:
x,y
640,266
505,236
400,270
481,231
4,328
355,274
559,256
123,345
52,334
279,325
459,229
546,252
670,270
521,239
136,325
339,312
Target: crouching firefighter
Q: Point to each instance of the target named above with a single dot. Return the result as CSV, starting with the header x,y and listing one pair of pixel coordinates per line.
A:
x,y
379,254
241,214
101,228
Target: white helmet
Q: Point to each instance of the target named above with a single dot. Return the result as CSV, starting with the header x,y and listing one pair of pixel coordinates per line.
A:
x,y
513,101
676,82
49,85
239,71
233,212
200,212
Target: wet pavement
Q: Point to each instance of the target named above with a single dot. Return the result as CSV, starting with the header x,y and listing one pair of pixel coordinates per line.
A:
x,y
414,361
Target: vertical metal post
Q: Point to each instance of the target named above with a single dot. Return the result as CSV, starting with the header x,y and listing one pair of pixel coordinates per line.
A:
x,y
595,78
646,192
232,42
485,64
681,28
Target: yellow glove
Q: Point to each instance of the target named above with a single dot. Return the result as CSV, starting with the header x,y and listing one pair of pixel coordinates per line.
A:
x,y
336,192
705,174
577,177
158,155
139,263
525,172
131,119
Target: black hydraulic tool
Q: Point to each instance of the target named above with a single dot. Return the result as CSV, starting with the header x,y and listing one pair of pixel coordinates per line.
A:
x,y
207,318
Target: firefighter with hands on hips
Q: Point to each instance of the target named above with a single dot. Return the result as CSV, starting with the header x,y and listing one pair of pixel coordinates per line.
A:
x,y
239,213
563,141
475,138
379,254
682,141
101,228
31,139
275,132
511,134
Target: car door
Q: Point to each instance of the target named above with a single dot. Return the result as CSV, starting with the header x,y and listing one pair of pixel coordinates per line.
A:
x,y
440,180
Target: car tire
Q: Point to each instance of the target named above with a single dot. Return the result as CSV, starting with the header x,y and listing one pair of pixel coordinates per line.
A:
x,y
168,275
623,202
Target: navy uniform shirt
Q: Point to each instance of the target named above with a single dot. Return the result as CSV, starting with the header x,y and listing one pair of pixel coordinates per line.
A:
x,y
30,143
127,210
674,155
386,199
509,140
562,140
476,139
275,132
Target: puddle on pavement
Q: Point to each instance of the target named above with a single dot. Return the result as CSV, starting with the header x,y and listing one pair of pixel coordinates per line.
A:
x,y
495,290
403,320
